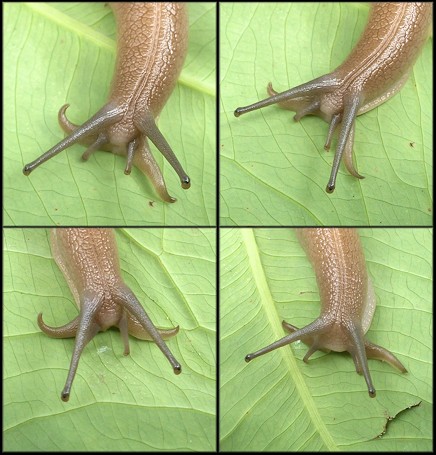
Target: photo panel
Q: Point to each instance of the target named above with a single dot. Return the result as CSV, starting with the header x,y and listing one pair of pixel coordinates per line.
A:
x,y
275,170
283,401
117,402
67,53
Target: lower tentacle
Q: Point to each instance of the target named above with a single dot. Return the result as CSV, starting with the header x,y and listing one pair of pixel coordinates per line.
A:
x,y
374,351
144,160
336,119
348,155
131,149
64,122
66,331
124,330
137,330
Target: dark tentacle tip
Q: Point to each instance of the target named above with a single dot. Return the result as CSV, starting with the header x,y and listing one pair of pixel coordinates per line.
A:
x,y
237,112
27,170
186,182
177,369
65,396
371,392
330,188
248,357
127,171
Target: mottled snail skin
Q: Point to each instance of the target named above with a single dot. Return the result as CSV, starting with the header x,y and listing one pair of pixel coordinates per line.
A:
x,y
347,302
376,70
88,258
152,44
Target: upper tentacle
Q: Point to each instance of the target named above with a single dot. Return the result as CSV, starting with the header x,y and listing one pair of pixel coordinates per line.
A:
x,y
146,124
128,300
107,115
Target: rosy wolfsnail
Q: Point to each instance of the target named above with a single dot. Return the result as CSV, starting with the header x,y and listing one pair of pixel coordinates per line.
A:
x,y
347,302
151,48
88,258
376,70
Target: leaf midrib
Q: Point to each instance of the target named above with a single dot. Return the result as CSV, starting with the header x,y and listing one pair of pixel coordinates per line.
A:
x,y
267,302
67,22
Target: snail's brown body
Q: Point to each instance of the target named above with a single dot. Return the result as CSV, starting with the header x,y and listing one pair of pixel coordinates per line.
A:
x,y
88,258
376,69
152,43
347,301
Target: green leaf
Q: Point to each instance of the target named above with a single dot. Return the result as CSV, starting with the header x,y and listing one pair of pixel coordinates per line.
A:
x,y
279,403
117,403
65,52
274,171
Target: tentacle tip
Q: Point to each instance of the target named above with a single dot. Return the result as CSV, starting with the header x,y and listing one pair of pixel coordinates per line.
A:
x,y
167,198
177,368
248,357
371,392
330,188
237,112
85,155
27,169
270,89
65,396
40,321
327,147
186,182
127,171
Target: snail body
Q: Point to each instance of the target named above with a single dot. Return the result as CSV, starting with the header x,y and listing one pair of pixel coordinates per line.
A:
x,y
151,48
347,302
88,258
376,70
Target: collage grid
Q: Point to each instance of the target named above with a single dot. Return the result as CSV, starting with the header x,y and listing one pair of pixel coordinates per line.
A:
x,y
214,225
